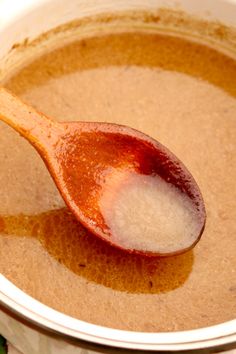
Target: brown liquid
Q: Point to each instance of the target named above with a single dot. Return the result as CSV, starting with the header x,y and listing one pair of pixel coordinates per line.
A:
x,y
163,86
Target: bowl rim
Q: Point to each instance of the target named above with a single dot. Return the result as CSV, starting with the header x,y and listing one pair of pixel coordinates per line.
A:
x,y
68,327
26,307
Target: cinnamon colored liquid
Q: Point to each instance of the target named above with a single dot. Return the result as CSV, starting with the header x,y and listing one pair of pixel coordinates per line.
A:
x,y
181,93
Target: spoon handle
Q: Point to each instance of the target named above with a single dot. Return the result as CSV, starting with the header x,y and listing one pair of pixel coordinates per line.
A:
x,y
38,129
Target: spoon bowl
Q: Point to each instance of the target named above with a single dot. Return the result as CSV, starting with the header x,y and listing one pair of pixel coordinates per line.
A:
x,y
110,175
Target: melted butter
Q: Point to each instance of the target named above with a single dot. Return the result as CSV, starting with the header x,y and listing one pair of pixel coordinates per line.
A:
x,y
73,246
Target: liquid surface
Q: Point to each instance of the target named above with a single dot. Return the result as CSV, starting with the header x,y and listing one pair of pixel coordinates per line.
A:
x,y
183,95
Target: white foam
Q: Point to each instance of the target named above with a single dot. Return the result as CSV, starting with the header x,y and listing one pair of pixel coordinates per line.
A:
x,y
146,213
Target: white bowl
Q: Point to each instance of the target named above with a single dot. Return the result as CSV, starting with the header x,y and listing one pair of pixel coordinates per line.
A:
x,y
29,325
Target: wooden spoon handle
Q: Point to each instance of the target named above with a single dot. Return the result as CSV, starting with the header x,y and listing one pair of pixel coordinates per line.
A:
x,y
41,131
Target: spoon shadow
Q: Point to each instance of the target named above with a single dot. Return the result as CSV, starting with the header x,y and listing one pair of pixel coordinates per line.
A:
x,y
67,241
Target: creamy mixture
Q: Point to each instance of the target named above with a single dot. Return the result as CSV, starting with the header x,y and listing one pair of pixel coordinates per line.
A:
x,y
179,92
149,214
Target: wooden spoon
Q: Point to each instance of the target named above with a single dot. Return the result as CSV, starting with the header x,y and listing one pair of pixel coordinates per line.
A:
x,y
122,185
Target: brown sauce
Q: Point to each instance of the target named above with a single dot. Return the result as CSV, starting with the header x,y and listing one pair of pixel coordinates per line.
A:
x,y
181,93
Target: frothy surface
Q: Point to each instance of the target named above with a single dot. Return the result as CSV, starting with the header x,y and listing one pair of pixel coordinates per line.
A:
x,y
148,214
162,86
